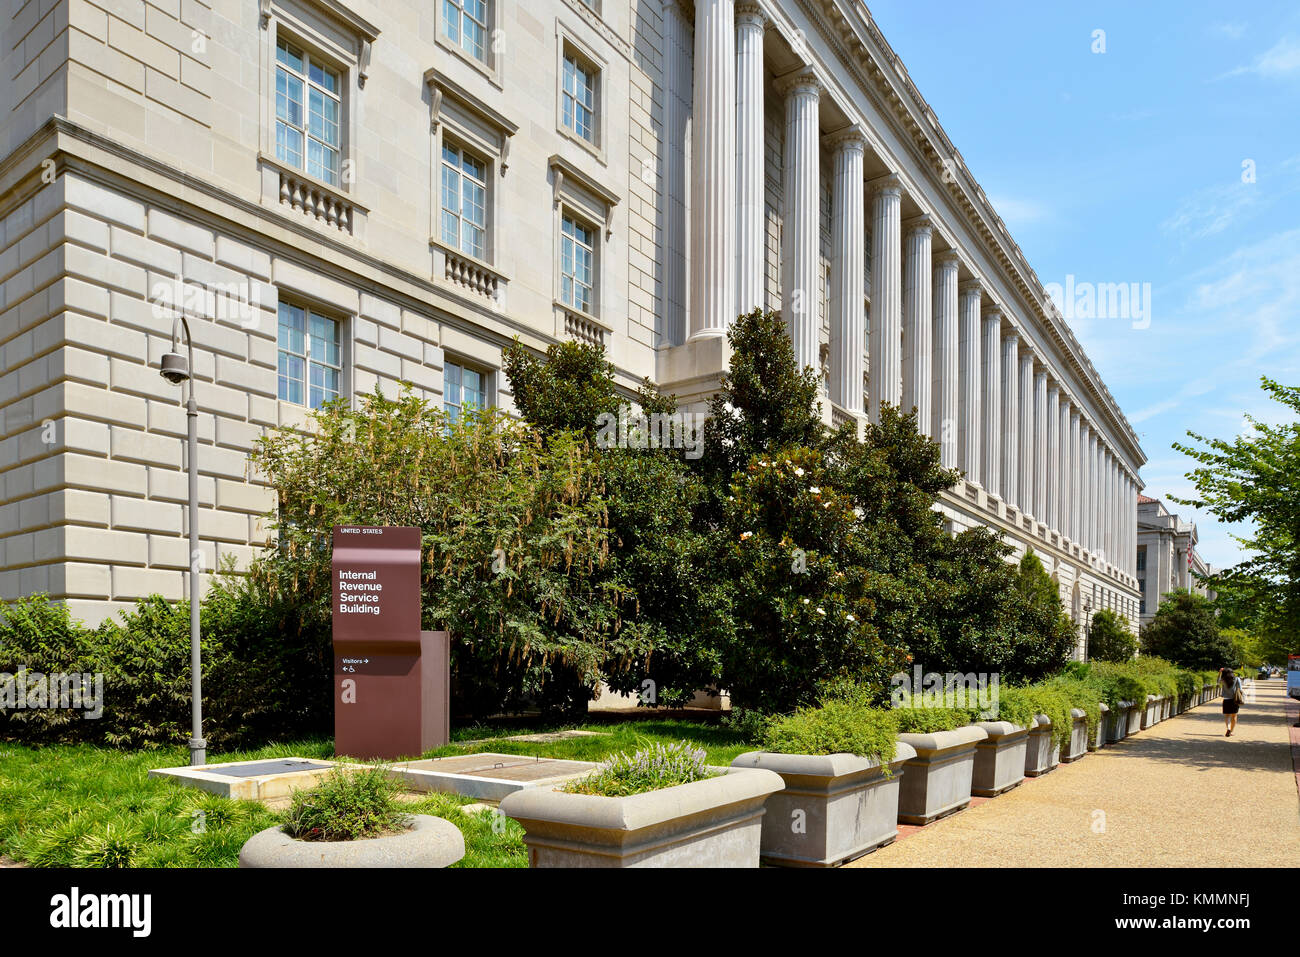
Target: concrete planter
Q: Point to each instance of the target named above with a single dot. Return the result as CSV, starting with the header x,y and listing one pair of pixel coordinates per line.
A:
x,y
1135,714
1151,713
1042,754
1078,736
1168,707
999,758
1099,741
431,842
834,808
712,823
937,781
1118,722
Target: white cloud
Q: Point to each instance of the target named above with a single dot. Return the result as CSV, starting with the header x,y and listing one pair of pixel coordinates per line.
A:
x,y
1279,61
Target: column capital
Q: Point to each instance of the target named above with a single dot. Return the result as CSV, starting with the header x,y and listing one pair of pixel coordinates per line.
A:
x,y
947,258
802,81
971,287
1011,337
1054,386
993,314
750,14
889,185
918,224
850,139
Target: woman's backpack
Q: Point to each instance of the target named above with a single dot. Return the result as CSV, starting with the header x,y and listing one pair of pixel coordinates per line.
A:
x,y
1237,694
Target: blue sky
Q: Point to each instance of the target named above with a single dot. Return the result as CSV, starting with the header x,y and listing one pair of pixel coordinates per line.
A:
x,y
1127,166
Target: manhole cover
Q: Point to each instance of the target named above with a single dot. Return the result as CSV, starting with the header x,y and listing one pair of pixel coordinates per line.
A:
x,y
260,768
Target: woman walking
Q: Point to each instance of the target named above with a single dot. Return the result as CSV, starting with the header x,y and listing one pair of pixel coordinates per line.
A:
x,y
1230,685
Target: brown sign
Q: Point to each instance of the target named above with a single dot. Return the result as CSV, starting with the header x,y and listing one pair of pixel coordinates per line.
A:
x,y
376,584
390,678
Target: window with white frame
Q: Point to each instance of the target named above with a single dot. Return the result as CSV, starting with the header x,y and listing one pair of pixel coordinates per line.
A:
x,y
308,112
577,264
465,23
311,357
578,97
463,388
464,200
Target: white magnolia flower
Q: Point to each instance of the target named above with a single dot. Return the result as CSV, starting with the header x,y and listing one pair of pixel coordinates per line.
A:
x,y
821,611
815,490
799,472
850,618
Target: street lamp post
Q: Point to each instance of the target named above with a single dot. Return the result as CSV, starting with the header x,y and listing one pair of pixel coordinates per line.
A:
x,y
177,369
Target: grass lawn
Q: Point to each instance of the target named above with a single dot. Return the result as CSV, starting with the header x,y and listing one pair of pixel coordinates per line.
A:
x,y
87,806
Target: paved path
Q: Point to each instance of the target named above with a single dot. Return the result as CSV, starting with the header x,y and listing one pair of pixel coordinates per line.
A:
x,y
1177,795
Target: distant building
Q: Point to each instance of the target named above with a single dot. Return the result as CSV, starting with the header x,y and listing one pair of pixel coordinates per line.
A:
x,y
1166,556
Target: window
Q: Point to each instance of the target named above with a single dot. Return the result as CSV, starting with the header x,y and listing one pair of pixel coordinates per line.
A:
x,y
463,388
465,23
310,357
578,98
1142,559
577,264
307,113
464,201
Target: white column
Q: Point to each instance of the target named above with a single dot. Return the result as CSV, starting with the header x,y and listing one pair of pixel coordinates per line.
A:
x,y
1108,505
677,110
1085,482
1094,496
848,273
886,374
801,228
1027,454
713,170
918,287
1040,446
1052,469
1072,474
1063,464
1010,418
969,434
944,424
751,225
991,453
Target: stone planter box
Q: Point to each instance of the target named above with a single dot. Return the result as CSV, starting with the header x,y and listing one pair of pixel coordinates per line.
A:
x,y
1118,722
1078,736
999,758
937,781
431,842
1169,708
1136,712
1099,741
834,808
712,823
1042,755
1151,713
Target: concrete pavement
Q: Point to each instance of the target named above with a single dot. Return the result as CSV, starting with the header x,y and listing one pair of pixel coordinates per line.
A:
x,y
1176,795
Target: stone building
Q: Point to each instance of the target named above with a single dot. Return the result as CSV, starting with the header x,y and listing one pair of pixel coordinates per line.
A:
x,y
1167,559
344,193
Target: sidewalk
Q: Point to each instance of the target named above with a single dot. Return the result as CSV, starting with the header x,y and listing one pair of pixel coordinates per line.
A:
x,y
1178,795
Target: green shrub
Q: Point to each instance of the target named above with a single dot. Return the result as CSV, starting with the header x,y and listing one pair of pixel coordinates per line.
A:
x,y
837,727
1083,694
1109,637
144,660
649,769
1051,701
346,805
1015,704
914,718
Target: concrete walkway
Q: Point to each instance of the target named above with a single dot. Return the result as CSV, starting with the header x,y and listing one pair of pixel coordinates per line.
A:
x,y
1177,795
